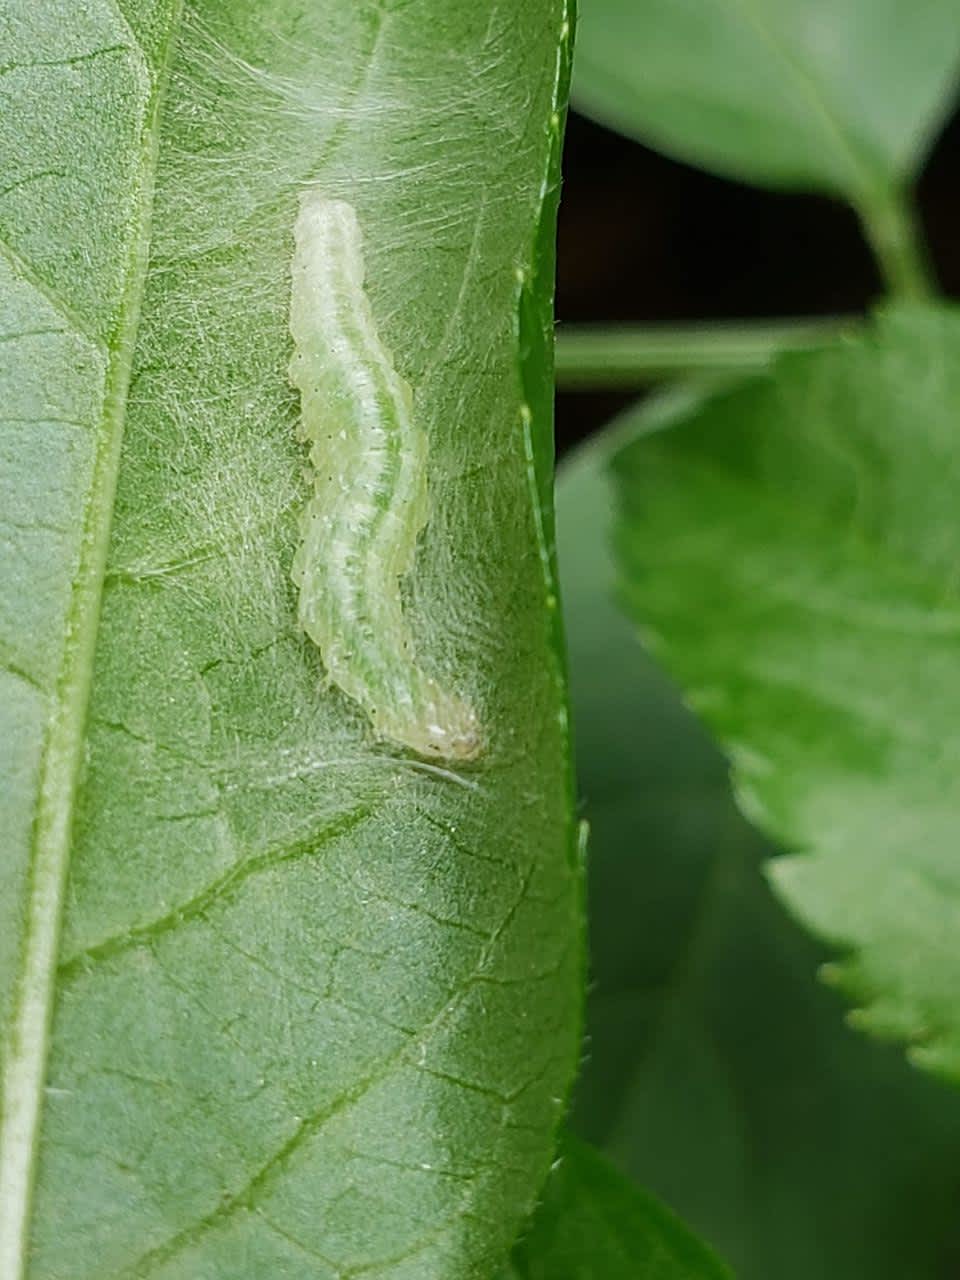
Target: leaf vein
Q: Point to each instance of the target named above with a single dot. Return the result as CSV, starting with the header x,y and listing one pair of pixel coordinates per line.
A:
x,y
218,890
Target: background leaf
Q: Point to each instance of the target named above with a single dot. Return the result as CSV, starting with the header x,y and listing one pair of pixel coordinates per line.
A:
x,y
838,96
593,1224
719,1074
792,552
316,1007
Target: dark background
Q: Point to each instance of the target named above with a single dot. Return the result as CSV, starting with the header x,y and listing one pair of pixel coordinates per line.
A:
x,y
646,240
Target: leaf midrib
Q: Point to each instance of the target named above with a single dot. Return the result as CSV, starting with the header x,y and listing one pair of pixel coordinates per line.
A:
x,y
25,1068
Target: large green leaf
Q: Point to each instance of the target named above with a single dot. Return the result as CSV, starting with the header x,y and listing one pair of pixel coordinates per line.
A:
x,y
314,1006
840,96
719,1072
593,1224
791,552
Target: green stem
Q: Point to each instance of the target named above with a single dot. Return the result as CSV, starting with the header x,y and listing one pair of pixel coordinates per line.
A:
x,y
890,224
628,358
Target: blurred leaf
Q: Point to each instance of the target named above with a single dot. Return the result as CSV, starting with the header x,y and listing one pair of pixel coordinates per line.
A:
x,y
792,552
839,96
719,1073
594,1224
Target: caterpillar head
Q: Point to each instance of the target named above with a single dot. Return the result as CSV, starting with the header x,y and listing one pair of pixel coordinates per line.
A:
x,y
440,727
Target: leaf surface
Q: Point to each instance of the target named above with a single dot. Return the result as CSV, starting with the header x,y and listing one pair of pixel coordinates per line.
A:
x,y
314,1004
720,1074
791,553
838,96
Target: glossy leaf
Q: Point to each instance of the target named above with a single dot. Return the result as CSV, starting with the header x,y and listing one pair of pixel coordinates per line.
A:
x,y
719,1072
315,1003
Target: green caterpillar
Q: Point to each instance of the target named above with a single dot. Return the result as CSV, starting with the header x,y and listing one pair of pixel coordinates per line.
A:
x,y
369,470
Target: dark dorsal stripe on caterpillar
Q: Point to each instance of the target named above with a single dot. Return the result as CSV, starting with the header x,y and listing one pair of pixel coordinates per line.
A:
x,y
369,470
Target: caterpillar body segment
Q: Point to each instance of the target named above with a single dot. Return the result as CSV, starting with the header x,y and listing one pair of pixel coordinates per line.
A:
x,y
368,460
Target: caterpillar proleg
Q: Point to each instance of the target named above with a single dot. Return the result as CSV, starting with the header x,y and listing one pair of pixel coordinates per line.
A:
x,y
368,458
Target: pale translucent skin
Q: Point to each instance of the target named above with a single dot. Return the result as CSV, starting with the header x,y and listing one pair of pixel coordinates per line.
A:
x,y
369,462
